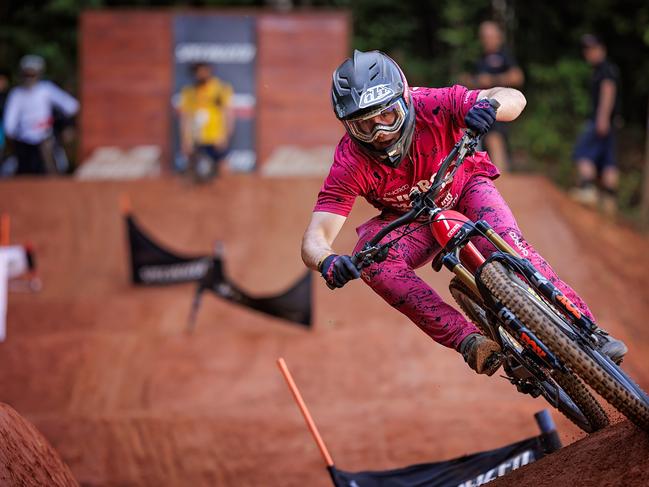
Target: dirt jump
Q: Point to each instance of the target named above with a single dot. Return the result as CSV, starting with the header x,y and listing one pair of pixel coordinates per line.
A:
x,y
109,376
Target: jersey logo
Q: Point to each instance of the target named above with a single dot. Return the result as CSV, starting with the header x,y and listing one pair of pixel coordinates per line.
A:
x,y
375,94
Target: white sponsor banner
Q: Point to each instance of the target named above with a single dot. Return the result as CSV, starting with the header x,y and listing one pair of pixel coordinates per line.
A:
x,y
214,52
13,263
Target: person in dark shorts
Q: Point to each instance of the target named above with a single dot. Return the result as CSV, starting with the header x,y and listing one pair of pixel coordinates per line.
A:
x,y
594,151
496,67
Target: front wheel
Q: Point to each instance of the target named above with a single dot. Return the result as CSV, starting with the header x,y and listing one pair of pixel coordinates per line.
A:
x,y
597,371
564,391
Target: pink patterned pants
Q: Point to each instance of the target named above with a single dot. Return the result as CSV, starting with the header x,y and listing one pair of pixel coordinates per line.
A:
x,y
395,279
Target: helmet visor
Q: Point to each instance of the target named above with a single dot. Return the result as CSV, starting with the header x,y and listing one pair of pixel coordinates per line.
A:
x,y
385,120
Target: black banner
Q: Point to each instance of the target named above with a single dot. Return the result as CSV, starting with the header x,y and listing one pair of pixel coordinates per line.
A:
x,y
293,305
468,471
152,264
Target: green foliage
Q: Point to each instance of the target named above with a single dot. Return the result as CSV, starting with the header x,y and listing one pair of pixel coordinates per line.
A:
x,y
557,104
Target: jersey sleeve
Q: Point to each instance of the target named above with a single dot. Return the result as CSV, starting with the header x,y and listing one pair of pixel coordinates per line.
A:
x,y
62,100
460,100
509,61
610,71
340,188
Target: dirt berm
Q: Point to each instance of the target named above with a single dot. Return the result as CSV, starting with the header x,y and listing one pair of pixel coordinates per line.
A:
x,y
616,456
107,373
26,458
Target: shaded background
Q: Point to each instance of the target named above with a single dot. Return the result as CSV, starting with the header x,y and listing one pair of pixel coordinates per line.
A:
x,y
435,41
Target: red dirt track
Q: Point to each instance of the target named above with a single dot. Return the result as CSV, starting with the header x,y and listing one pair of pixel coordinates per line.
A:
x,y
106,372
26,458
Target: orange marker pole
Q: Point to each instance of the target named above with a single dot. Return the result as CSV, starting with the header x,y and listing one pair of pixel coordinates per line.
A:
x,y
5,230
305,412
125,204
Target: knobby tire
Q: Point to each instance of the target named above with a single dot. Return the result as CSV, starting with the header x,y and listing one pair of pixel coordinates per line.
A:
x,y
541,321
572,385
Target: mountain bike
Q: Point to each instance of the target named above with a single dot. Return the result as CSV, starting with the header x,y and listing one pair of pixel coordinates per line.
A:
x,y
549,348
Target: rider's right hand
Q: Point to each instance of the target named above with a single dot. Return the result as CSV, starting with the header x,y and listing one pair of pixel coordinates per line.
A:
x,y
337,270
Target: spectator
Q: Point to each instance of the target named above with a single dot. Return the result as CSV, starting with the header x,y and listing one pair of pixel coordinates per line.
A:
x,y
206,119
594,151
28,117
496,67
4,90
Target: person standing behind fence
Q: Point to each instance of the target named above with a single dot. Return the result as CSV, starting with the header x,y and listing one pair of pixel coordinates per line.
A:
x,y
28,117
496,67
206,116
594,151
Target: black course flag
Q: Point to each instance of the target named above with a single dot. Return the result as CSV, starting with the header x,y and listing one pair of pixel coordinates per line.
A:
x,y
467,471
153,264
294,304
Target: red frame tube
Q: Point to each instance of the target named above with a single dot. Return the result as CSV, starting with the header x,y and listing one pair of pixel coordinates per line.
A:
x,y
444,226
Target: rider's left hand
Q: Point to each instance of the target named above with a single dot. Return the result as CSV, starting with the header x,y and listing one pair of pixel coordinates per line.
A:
x,y
481,117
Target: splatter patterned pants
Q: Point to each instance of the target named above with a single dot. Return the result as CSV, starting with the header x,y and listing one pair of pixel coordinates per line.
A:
x,y
395,279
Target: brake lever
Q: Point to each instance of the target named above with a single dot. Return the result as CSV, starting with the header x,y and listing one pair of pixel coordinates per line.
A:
x,y
368,256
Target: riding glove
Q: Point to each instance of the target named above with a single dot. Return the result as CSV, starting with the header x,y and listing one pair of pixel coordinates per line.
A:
x,y
481,117
337,270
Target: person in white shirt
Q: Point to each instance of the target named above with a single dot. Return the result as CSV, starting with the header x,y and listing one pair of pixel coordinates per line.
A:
x,y
28,117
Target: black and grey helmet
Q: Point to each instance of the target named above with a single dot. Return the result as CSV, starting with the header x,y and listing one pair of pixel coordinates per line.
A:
x,y
370,96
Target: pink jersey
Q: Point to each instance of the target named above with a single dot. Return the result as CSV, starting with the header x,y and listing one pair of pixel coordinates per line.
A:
x,y
438,126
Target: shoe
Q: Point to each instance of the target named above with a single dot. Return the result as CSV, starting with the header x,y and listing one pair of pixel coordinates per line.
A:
x,y
586,195
481,353
608,205
611,347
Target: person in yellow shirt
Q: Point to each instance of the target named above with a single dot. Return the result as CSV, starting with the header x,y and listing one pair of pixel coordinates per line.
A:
x,y
206,121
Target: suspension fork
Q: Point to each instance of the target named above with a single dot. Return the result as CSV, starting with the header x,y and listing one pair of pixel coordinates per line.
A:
x,y
496,239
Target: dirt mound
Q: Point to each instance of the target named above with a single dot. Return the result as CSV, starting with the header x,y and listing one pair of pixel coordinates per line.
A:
x,y
26,458
108,374
618,455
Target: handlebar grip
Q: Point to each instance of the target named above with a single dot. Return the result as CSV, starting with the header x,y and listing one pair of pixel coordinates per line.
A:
x,y
494,103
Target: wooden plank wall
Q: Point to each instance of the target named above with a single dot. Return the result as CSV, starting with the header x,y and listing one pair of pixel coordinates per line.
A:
x,y
296,58
126,78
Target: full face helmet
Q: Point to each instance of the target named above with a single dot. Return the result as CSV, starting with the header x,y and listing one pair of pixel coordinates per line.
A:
x,y
370,97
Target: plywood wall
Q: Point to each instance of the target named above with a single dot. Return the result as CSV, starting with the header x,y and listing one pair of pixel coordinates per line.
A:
x,y
125,79
297,55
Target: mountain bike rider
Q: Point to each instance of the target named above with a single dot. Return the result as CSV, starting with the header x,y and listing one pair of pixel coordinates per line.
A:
x,y
396,139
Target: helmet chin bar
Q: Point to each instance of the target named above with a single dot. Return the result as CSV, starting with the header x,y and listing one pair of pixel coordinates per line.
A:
x,y
394,154
391,156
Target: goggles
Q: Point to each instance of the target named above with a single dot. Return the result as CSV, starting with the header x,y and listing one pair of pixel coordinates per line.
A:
x,y
386,120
